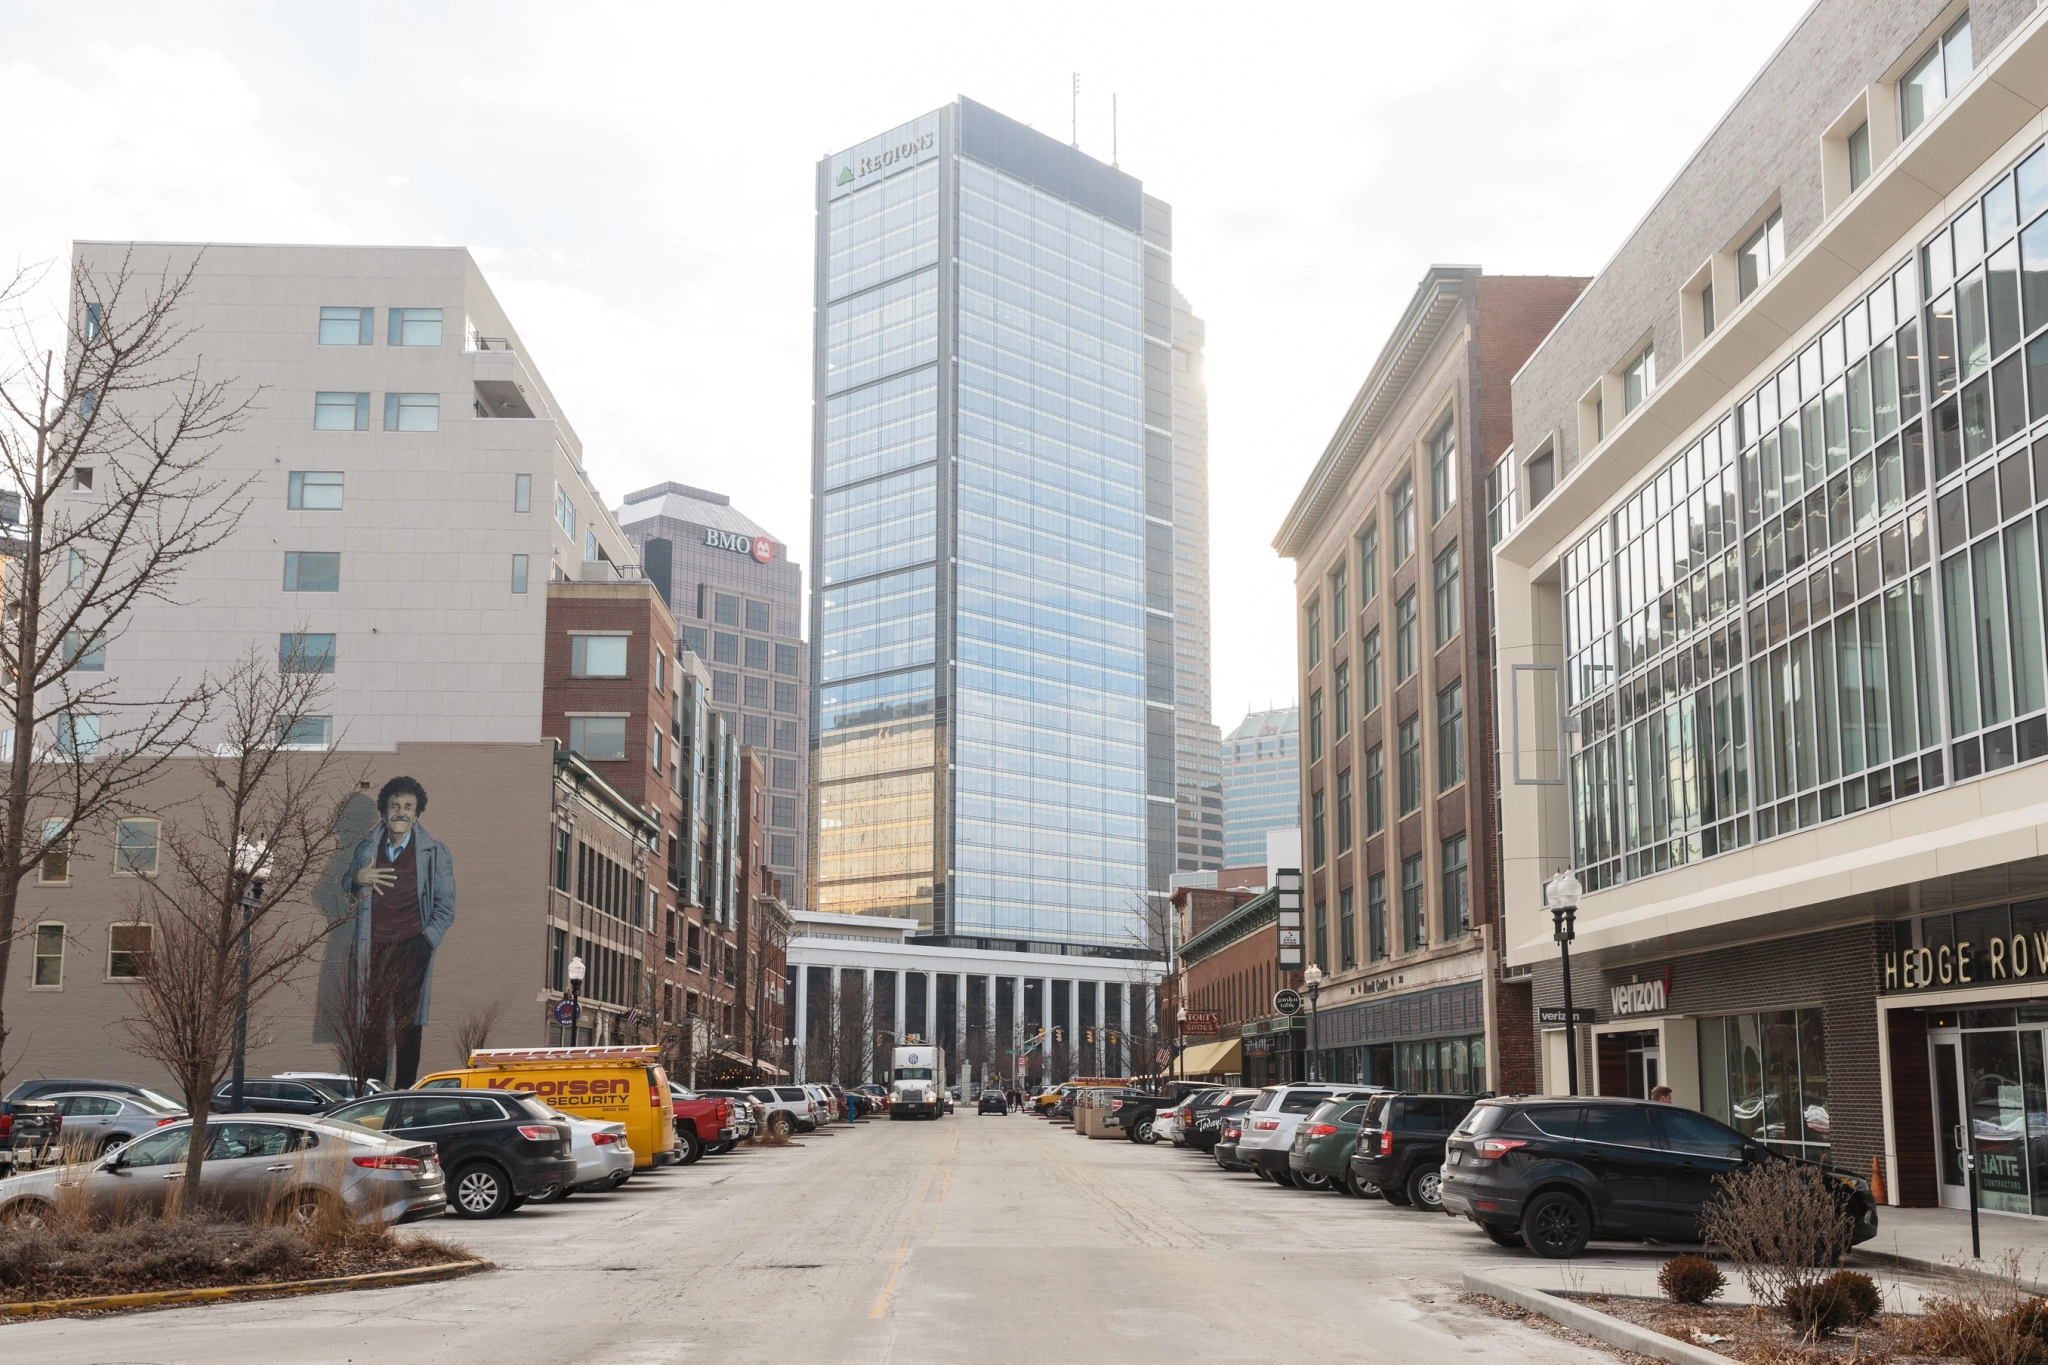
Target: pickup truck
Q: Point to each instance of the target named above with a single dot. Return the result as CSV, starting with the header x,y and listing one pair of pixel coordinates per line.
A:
x,y
30,1131
702,1121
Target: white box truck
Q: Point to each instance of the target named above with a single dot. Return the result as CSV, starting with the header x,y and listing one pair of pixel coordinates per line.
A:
x,y
917,1082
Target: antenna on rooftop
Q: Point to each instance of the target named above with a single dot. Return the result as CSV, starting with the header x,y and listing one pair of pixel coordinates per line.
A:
x,y
1074,115
1112,130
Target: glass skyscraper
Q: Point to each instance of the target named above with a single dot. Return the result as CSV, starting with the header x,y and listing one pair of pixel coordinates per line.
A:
x,y
1261,783
993,505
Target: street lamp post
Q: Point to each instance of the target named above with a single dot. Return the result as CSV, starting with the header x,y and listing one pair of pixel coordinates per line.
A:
x,y
1312,977
575,999
1561,893
1180,1042
250,862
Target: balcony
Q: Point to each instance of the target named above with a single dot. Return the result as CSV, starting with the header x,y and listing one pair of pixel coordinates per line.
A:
x,y
504,388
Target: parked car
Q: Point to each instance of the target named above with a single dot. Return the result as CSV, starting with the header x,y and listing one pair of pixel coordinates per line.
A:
x,y
701,1121
1400,1146
993,1102
1225,1150
823,1106
336,1083
746,1119
110,1120
1323,1143
30,1131
44,1086
275,1097
1552,1174
604,1158
499,1147
276,1166
1270,1123
877,1097
1138,1114
785,1109
1209,1115
608,1083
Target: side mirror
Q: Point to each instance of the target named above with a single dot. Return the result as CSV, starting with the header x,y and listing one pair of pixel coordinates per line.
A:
x,y
114,1164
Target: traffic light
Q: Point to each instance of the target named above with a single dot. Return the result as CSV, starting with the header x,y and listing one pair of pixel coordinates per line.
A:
x,y
1091,1035
1059,1035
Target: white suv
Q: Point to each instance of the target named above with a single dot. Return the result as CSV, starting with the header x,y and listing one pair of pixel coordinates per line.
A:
x,y
1268,1126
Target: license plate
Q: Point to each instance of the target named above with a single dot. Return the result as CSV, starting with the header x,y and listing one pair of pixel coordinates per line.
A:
x,y
1457,1158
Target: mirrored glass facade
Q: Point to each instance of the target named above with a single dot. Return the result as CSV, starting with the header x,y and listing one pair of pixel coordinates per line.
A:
x,y
990,629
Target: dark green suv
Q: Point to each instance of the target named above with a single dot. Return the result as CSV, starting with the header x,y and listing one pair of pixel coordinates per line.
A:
x,y
1323,1143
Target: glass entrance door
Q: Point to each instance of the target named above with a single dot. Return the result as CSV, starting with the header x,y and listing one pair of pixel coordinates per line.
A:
x,y
1989,1086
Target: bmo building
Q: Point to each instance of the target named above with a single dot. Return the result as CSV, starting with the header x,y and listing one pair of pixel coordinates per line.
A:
x,y
737,599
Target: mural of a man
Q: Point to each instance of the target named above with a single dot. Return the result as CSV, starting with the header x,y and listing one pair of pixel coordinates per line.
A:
x,y
404,881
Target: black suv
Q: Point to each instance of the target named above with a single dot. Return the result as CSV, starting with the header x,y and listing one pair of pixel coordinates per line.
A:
x,y
499,1147
303,1098
1210,1113
1401,1146
1553,1173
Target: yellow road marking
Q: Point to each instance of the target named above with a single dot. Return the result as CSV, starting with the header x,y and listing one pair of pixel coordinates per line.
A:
x,y
881,1308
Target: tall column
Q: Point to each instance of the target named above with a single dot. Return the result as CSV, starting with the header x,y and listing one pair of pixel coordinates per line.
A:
x,y
1101,1048
995,1036
960,1026
1045,1022
1016,1059
803,1013
1124,1029
1074,1024
902,989
867,1024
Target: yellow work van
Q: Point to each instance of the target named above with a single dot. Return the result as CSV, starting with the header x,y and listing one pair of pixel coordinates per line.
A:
x,y
623,1084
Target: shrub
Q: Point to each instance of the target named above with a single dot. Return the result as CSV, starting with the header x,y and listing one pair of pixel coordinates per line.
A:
x,y
1822,1307
1691,1279
1781,1225
1990,1322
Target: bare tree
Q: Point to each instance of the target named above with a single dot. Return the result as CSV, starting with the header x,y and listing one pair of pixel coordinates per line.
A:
x,y
477,1026
357,1016
770,929
230,922
105,439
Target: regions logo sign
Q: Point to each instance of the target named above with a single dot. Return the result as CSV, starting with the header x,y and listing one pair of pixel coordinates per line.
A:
x,y
906,150
759,548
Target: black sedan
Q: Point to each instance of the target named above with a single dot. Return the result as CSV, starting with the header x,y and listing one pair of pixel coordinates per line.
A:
x,y
992,1102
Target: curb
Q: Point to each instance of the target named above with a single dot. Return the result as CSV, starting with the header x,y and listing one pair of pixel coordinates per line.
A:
x,y
1944,1269
1594,1323
375,1279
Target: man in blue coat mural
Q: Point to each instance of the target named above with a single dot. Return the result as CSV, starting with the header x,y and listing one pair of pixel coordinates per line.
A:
x,y
404,882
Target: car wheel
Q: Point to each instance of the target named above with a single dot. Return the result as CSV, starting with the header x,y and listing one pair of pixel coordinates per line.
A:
x,y
718,1149
1556,1225
553,1196
1501,1236
1143,1132
1284,1178
28,1215
688,1148
305,1208
781,1124
1394,1194
479,1190
1426,1188
107,1143
1312,1180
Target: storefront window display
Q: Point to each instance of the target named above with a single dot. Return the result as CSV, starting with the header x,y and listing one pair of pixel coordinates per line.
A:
x,y
1766,1075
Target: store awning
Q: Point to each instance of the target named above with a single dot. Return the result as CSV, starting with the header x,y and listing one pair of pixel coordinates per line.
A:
x,y
766,1068
1210,1059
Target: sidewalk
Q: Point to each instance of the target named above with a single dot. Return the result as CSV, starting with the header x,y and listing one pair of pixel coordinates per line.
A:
x,y
1939,1239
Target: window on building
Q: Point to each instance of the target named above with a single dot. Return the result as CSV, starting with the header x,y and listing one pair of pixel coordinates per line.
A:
x,y
785,698
129,948
782,849
312,571
1410,742
757,654
1317,846
785,660
725,648
1859,156
1457,890
84,655
758,616
1404,520
1376,916
78,736
757,693
1638,378
1344,811
341,412
1315,726
782,771
522,492
590,545
1450,736
597,656
1448,616
661,672
1443,471
1756,1067
303,652
725,687
1414,930
1760,256
565,511
1340,600
754,729
695,958
1935,78
1347,931
1369,673
694,641
1322,943
600,738
561,860
307,732
1375,790
654,733
785,735
415,327
313,490
782,812
49,970
1706,310
347,326
74,571
1312,630
1369,563
1405,652
1341,697
725,609
1542,475
519,573
55,868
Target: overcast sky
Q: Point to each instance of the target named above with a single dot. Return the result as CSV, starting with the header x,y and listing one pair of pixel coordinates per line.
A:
x,y
637,183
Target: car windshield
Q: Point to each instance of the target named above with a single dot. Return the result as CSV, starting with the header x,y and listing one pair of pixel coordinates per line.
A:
x,y
913,1073
1329,1111
1375,1110
1301,1101
1482,1119
1267,1099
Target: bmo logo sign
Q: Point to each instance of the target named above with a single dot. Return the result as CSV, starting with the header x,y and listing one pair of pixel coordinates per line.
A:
x,y
760,548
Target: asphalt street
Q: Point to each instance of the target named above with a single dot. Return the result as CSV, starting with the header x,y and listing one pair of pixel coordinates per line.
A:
x,y
983,1238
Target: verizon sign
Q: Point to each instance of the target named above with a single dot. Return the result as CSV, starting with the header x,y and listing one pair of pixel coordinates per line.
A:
x,y
1644,997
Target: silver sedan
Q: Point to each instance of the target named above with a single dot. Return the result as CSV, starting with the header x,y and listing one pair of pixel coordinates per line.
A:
x,y
272,1166
105,1120
604,1159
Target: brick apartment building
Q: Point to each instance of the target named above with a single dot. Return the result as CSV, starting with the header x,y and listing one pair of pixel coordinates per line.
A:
x,y
1227,966
1399,780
